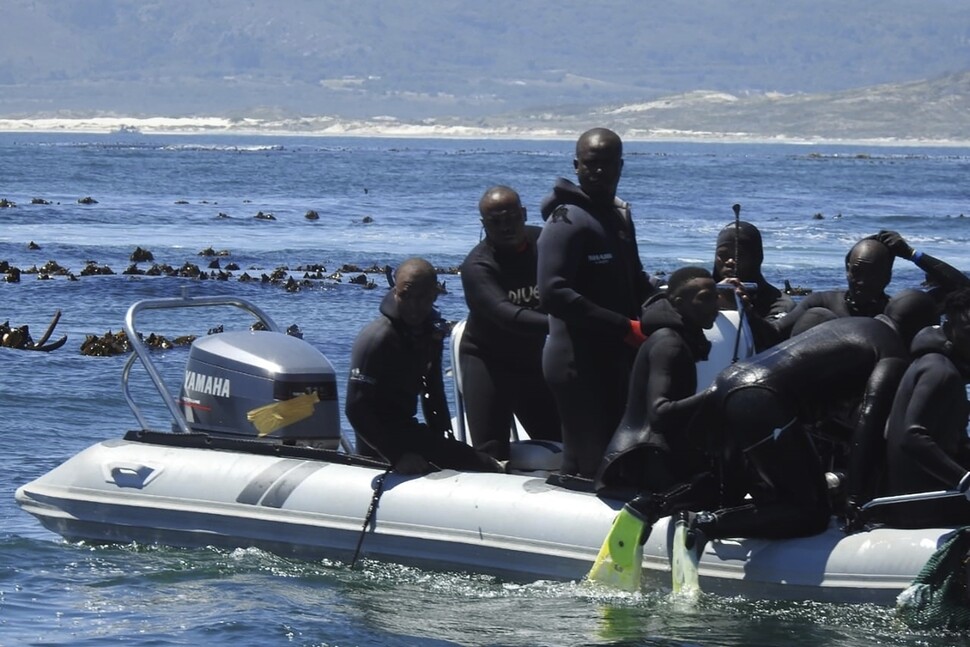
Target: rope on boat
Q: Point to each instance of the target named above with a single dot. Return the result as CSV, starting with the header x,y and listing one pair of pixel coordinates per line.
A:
x,y
371,509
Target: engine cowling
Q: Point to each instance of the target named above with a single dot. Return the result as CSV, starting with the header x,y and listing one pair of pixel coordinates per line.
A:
x,y
261,384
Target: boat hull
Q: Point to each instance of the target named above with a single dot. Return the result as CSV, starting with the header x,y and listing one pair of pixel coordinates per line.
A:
x,y
513,526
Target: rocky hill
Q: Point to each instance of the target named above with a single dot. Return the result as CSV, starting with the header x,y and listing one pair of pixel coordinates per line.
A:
x,y
759,68
362,58
937,109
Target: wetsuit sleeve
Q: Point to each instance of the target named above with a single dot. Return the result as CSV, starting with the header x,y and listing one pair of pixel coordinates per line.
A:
x,y
365,402
560,255
434,405
671,368
764,333
780,306
942,274
935,391
486,297
867,455
784,325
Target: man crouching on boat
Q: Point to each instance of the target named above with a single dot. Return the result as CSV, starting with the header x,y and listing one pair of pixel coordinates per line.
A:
x,y
756,413
650,451
395,360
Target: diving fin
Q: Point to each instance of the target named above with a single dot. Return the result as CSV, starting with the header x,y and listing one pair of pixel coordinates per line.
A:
x,y
619,563
684,557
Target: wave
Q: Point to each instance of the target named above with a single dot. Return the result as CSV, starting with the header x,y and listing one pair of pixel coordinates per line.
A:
x,y
127,126
867,156
149,145
129,129
228,148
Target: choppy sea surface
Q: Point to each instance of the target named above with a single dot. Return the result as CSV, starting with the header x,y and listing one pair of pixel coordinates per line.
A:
x,y
379,201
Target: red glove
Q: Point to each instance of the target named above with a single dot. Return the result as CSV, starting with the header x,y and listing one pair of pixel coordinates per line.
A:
x,y
634,337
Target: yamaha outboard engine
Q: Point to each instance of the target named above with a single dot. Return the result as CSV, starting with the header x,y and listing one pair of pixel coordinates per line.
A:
x,y
261,384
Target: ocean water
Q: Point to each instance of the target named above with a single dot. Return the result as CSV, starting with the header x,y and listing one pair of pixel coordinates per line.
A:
x,y
166,193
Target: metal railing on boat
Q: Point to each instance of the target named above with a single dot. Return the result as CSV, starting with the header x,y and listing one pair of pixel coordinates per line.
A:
x,y
141,351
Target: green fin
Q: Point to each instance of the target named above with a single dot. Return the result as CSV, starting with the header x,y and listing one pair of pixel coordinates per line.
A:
x,y
620,560
683,562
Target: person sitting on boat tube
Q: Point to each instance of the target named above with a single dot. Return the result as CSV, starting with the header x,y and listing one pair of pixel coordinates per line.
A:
x,y
757,411
766,303
395,360
868,271
927,447
501,347
650,451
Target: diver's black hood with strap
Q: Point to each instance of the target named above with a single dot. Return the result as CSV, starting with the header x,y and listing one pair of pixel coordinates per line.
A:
x,y
564,192
932,340
434,326
658,312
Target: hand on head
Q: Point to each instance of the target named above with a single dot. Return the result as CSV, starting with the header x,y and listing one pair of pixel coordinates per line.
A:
x,y
896,243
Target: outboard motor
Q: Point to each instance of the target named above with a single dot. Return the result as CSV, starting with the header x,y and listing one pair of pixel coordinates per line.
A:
x,y
261,384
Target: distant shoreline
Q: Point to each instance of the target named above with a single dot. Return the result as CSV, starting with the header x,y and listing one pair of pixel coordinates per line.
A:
x,y
328,127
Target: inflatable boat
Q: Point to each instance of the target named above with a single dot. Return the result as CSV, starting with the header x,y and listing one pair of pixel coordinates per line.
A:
x,y
255,459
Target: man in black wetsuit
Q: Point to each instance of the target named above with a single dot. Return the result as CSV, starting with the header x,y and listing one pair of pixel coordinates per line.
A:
x,y
926,438
650,451
395,360
501,348
755,414
766,303
592,284
868,270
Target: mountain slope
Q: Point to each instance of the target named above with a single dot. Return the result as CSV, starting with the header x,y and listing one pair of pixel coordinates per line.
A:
x,y
360,58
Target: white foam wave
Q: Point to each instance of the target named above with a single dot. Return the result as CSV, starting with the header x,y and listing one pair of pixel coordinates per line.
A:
x,y
117,125
232,148
126,128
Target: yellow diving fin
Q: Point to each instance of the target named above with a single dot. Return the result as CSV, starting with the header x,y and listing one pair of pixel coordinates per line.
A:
x,y
270,417
683,560
620,561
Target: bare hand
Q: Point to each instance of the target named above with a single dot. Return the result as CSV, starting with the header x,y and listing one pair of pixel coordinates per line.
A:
x,y
727,303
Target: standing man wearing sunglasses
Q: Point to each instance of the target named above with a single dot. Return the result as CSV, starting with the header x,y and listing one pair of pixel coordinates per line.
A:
x,y
501,348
